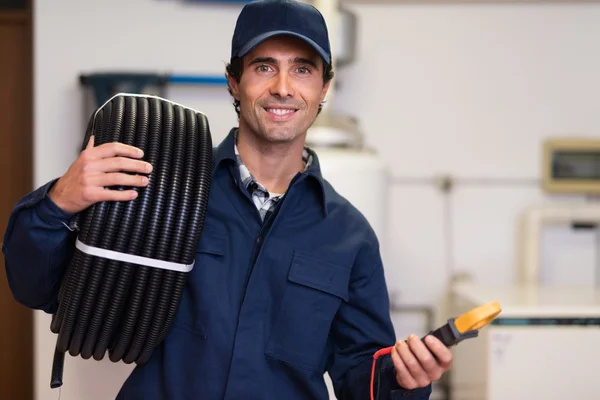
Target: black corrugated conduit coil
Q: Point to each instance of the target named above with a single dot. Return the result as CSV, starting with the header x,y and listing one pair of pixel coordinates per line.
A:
x,y
122,287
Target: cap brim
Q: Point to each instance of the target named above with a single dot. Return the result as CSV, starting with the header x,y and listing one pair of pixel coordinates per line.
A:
x,y
262,37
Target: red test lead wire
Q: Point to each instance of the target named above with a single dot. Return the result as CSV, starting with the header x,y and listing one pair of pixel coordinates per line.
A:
x,y
383,352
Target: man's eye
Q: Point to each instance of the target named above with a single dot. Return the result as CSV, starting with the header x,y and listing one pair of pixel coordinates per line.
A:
x,y
263,68
303,70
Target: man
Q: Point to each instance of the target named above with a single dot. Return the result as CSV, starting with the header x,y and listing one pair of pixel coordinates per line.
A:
x,y
288,282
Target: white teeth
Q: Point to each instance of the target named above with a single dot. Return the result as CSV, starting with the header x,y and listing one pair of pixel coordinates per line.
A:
x,y
280,111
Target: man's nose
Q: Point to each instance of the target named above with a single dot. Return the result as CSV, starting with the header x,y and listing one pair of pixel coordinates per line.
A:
x,y
282,85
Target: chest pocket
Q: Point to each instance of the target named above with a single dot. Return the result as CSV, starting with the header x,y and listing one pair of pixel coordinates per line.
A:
x,y
314,291
212,242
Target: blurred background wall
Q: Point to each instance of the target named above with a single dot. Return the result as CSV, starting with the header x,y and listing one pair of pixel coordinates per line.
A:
x,y
465,92
461,90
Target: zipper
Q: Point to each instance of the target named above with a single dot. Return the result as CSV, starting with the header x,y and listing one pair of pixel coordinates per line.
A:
x,y
264,232
260,240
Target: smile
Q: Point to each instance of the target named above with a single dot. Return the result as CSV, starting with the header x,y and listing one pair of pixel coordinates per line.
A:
x,y
281,111
280,114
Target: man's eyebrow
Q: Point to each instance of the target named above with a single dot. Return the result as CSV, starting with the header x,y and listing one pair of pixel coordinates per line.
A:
x,y
271,60
260,60
301,60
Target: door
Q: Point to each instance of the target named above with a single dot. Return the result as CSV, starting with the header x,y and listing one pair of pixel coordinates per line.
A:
x,y
16,114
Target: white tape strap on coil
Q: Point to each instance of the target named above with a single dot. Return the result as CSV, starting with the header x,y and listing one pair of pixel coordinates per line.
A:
x,y
130,258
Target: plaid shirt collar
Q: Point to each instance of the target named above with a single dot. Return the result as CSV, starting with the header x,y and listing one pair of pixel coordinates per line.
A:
x,y
264,201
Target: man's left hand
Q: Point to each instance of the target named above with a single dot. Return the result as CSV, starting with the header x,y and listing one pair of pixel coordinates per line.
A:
x,y
415,364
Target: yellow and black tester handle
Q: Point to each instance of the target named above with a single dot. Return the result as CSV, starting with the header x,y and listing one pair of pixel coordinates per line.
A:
x,y
456,330
467,325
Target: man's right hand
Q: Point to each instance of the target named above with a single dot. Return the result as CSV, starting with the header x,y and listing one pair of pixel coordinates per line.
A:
x,y
85,182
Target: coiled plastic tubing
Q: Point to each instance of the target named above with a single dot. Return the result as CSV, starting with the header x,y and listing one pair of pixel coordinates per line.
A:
x,y
123,284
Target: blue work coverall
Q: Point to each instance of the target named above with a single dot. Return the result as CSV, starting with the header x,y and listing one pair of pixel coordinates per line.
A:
x,y
268,308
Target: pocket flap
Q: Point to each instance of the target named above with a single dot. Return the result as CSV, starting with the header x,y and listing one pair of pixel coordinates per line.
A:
x,y
310,271
212,242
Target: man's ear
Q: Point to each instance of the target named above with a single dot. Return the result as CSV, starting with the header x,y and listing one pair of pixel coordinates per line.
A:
x,y
324,90
234,87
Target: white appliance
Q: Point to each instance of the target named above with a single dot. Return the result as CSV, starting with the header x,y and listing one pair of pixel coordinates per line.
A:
x,y
357,173
543,345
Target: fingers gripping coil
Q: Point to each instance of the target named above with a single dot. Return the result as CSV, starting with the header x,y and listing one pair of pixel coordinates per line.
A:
x,y
123,285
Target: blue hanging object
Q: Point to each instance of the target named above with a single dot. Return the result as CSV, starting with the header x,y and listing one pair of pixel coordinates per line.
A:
x,y
105,85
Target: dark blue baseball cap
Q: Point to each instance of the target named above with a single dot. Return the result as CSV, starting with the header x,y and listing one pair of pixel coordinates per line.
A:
x,y
263,19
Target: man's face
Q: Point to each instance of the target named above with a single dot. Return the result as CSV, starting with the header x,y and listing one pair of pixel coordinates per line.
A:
x,y
280,89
